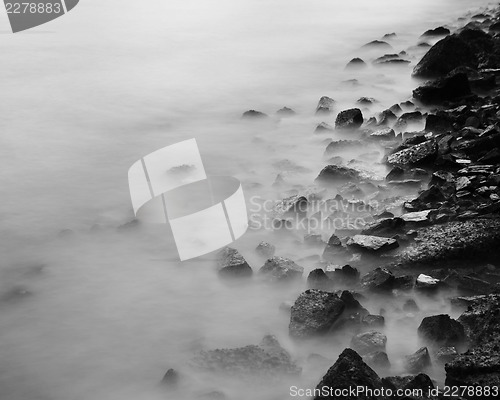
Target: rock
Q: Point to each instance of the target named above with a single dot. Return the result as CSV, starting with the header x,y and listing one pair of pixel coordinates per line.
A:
x,y
418,361
409,383
440,31
349,371
332,174
441,330
481,320
281,269
427,283
313,239
171,378
377,359
383,134
349,119
446,55
377,44
337,146
314,313
265,249
252,114
417,217
325,105
356,63
372,243
317,279
438,123
323,127
369,342
451,87
396,173
231,264
266,360
445,355
410,306
390,36
415,155
378,280
374,321
387,227
366,100
345,275
290,207
286,112
408,119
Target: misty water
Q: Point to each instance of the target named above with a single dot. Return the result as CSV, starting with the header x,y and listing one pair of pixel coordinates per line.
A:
x,y
90,311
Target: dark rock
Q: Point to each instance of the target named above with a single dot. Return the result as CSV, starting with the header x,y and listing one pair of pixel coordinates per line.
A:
x,y
387,118
441,330
372,243
418,361
314,313
332,174
325,105
265,249
395,173
438,123
415,155
317,279
445,355
252,114
345,275
451,87
378,280
408,383
281,269
349,371
231,264
369,342
356,63
349,119
446,55
440,31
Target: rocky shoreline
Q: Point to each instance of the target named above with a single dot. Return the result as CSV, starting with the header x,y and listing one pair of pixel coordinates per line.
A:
x,y
441,243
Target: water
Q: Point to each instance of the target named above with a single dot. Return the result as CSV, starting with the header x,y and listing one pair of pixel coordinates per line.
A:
x,y
86,96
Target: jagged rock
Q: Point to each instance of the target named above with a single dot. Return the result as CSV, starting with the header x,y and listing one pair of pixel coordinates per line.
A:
x,y
446,55
441,330
325,105
252,114
314,313
417,154
372,243
445,355
369,342
378,280
387,227
418,361
349,371
409,383
266,360
332,174
323,127
317,279
395,173
451,87
265,249
356,63
349,119
281,269
231,264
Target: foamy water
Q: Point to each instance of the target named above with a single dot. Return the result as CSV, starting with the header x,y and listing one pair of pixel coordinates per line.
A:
x,y
86,96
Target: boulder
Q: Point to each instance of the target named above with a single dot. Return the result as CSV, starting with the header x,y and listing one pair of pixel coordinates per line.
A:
x,y
349,371
409,383
253,114
265,249
377,360
410,306
369,342
356,63
441,330
373,321
231,264
317,279
445,355
281,269
418,361
378,280
378,45
414,155
345,275
349,119
171,379
372,243
450,87
440,31
446,55
427,283
325,105
314,313
323,127
332,174
383,134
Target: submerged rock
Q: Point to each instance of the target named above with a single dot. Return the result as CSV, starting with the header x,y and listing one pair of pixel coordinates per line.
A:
x,y
281,269
317,279
314,313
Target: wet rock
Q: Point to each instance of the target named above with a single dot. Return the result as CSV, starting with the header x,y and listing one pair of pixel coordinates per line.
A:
x,y
417,217
383,134
481,320
231,264
349,371
349,119
317,279
323,127
440,31
446,55
415,155
441,330
266,360
314,313
418,361
356,63
369,342
253,114
387,118
451,87
265,249
325,105
445,355
438,123
377,359
281,269
332,174
378,280
427,283
372,243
